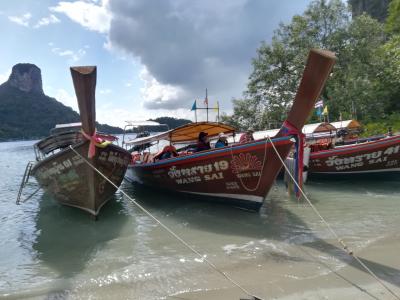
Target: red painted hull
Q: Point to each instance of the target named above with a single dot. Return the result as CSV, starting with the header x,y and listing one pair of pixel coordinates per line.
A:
x,y
242,174
371,157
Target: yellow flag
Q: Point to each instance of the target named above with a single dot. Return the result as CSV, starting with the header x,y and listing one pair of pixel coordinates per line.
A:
x,y
216,106
325,111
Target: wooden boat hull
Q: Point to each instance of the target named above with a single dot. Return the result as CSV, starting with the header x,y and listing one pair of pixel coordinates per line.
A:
x,y
240,174
372,157
71,181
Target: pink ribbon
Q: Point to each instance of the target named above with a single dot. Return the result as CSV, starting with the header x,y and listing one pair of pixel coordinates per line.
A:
x,y
290,129
96,139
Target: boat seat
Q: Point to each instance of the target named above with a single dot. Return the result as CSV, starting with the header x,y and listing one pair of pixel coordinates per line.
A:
x,y
59,141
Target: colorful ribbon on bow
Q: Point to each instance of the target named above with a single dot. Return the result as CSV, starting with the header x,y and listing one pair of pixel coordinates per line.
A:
x,y
290,129
97,140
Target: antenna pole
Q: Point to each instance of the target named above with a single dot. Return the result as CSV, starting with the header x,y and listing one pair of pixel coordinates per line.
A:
x,y
218,111
195,111
207,104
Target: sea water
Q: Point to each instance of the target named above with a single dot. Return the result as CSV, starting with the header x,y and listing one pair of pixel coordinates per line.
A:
x,y
49,251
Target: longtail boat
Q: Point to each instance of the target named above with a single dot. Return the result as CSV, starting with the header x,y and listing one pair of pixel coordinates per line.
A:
x,y
60,166
240,173
363,156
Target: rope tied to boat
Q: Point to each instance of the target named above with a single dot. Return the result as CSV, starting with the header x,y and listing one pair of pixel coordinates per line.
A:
x,y
346,248
289,129
186,244
96,140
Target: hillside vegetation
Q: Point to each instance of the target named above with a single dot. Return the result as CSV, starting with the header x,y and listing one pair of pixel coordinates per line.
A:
x,y
25,115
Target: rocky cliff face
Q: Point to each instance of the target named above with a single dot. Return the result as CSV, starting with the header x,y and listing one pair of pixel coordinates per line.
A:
x,y
27,113
27,78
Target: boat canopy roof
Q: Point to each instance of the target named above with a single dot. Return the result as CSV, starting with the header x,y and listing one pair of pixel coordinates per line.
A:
x,y
143,123
318,127
186,133
66,127
190,132
264,133
149,139
348,124
77,124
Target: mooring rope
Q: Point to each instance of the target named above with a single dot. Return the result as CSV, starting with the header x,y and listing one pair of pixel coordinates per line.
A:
x,y
345,247
203,257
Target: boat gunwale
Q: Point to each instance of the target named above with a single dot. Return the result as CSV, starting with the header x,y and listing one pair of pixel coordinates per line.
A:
x,y
48,158
356,147
198,155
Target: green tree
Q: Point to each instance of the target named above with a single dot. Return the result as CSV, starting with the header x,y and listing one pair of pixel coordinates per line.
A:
x,y
355,87
359,81
393,20
391,57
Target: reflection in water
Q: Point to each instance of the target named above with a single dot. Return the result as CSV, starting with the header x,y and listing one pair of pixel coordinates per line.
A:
x,y
67,240
69,237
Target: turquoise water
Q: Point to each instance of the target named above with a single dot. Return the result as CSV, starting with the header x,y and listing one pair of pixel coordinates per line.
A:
x,y
48,251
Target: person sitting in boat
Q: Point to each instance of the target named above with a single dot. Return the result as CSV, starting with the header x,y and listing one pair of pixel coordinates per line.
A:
x,y
247,136
167,152
222,141
390,132
203,143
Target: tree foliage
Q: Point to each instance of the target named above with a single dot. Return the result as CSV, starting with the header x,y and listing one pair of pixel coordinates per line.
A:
x,y
362,84
393,19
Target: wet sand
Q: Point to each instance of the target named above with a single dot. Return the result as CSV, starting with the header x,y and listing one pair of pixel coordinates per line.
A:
x,y
308,277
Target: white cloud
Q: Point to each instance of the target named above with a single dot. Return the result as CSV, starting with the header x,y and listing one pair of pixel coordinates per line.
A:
x,y
21,20
65,98
73,56
157,95
52,19
105,91
88,14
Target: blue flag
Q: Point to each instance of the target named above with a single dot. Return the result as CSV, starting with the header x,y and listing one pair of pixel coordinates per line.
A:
x,y
319,111
194,107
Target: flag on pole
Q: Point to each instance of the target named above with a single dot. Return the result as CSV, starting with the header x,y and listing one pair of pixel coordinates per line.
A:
x,y
325,112
216,108
206,101
194,107
319,103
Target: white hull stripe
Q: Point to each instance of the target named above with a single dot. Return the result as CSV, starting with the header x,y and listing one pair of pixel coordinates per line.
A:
x,y
360,172
250,198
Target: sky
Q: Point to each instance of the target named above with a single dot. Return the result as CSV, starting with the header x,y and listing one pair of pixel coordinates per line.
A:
x,y
153,57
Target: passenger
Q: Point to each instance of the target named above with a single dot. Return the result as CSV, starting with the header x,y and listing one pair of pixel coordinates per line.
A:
x,y
390,132
222,141
247,136
167,152
203,142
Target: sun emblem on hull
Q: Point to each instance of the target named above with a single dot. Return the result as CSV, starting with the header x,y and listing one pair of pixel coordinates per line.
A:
x,y
245,162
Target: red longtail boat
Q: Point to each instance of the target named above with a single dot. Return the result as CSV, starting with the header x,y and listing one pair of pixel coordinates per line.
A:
x,y
239,173
362,157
